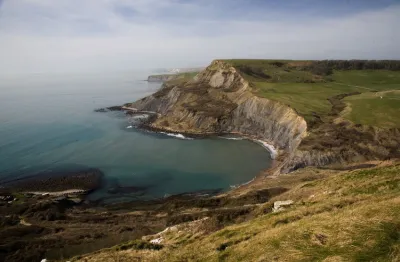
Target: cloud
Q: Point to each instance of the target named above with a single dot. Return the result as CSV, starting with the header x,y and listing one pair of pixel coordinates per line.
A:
x,y
98,35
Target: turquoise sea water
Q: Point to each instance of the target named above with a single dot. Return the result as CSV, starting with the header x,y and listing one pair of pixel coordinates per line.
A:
x,y
48,122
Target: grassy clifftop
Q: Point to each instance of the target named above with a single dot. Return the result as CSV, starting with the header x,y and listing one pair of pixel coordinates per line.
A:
x,y
307,85
174,79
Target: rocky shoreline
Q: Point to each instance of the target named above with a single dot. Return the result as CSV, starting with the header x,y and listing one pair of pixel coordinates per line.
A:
x,y
146,125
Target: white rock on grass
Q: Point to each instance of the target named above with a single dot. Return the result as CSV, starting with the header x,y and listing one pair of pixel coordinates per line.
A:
x,y
157,240
278,205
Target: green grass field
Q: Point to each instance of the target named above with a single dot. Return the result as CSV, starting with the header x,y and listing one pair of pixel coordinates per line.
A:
x,y
274,71
375,109
307,98
378,80
304,98
294,84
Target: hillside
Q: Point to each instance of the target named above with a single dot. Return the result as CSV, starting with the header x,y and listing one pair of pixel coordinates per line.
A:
x,y
335,216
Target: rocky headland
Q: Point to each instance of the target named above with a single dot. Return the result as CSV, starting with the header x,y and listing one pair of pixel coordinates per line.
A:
x,y
219,100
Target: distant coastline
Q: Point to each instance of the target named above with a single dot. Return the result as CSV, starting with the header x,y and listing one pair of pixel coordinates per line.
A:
x,y
173,74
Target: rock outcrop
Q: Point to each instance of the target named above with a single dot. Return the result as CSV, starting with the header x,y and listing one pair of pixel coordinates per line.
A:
x,y
280,205
219,100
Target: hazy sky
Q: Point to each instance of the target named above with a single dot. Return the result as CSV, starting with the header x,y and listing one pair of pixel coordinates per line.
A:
x,y
98,35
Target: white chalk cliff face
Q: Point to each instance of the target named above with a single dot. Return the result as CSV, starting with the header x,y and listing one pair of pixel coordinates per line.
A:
x,y
219,100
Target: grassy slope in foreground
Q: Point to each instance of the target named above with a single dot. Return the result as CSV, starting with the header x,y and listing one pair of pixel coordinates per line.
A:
x,y
347,216
307,90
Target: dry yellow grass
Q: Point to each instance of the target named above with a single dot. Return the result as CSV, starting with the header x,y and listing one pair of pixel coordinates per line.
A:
x,y
347,216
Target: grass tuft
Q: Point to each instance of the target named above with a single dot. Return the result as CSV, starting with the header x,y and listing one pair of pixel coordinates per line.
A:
x,y
138,245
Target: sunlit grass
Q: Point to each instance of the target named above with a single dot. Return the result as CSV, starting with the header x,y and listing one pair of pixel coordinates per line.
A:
x,y
349,216
375,109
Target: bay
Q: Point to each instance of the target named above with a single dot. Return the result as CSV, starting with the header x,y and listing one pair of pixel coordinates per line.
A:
x,y
48,121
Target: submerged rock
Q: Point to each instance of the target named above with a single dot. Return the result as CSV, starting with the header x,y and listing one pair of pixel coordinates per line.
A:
x,y
126,189
64,181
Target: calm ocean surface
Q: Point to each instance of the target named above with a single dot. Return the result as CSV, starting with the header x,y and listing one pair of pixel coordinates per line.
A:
x,y
48,122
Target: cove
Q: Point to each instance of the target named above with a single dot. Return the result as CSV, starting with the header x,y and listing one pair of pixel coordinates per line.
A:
x,y
57,127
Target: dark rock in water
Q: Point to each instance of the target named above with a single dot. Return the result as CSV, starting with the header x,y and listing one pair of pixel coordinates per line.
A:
x,y
87,179
107,109
115,108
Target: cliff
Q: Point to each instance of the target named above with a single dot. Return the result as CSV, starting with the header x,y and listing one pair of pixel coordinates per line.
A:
x,y
220,100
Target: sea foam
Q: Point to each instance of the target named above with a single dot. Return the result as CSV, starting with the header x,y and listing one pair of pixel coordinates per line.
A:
x,y
246,183
180,136
269,147
231,138
273,151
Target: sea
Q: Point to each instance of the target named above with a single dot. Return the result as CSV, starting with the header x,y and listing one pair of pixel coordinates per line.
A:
x,y
48,122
